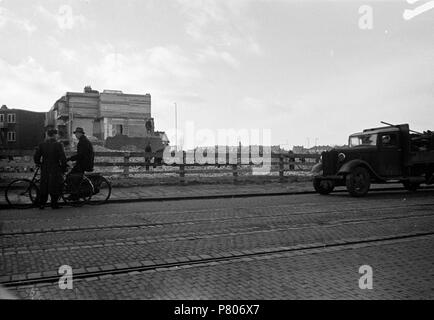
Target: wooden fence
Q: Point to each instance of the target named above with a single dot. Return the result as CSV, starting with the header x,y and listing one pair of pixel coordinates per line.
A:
x,y
129,164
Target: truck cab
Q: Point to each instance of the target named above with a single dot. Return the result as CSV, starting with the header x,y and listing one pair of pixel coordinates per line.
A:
x,y
378,155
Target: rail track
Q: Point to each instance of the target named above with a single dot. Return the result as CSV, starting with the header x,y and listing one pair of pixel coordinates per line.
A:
x,y
194,235
228,257
296,211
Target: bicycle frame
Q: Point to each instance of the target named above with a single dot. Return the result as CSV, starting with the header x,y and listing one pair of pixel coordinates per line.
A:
x,y
84,177
34,180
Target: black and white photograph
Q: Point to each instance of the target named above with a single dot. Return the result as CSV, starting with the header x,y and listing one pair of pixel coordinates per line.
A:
x,y
216,154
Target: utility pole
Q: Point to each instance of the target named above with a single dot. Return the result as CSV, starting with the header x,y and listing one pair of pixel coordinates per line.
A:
x,y
176,125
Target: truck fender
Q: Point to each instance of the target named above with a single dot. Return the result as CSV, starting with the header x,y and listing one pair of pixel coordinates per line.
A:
x,y
350,165
317,169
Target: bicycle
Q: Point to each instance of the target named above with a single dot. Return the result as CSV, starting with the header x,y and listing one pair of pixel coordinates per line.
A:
x,y
23,193
102,188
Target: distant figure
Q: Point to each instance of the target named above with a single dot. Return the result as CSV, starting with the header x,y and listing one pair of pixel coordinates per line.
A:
x,y
50,156
148,155
148,148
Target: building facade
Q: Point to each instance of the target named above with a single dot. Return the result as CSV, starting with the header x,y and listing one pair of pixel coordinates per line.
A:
x,y
20,130
102,115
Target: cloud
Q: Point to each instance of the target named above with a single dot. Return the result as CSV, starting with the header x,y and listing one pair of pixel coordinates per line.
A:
x,y
165,72
69,54
264,106
29,85
65,18
211,54
8,17
211,22
133,69
367,96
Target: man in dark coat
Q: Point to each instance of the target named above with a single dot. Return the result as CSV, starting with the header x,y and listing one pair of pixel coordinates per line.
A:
x,y
85,156
50,155
84,160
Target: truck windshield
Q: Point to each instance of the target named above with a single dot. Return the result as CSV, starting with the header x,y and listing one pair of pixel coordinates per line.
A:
x,y
363,140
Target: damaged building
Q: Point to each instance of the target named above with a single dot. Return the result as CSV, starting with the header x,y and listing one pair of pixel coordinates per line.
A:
x,y
111,118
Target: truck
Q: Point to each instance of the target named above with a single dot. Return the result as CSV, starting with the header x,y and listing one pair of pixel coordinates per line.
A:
x,y
390,154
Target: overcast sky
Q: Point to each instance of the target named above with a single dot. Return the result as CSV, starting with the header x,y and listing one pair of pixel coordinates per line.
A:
x,y
300,68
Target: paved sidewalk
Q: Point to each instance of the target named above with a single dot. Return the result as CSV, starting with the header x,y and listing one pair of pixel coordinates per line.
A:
x,y
199,190
207,190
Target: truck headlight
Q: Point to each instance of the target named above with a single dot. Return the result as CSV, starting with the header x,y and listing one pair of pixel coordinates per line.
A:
x,y
341,157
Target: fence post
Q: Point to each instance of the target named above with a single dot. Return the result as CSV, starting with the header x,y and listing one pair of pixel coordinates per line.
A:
x,y
126,165
235,173
182,170
147,162
291,161
281,169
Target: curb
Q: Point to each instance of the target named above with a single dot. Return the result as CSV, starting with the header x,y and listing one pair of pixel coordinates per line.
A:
x,y
233,196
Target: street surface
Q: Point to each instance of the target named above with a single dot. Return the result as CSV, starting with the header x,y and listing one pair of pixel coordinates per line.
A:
x,y
268,247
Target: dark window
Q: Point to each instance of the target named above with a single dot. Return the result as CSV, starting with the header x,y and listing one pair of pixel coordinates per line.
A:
x,y
389,140
119,129
12,136
12,118
2,117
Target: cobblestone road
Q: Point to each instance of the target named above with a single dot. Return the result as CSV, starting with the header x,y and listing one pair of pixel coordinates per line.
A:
x,y
275,247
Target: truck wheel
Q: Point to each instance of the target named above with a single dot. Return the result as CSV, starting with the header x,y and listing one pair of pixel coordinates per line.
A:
x,y
358,182
323,186
411,186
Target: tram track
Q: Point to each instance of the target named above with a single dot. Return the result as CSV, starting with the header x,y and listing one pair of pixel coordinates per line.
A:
x,y
212,219
232,256
61,245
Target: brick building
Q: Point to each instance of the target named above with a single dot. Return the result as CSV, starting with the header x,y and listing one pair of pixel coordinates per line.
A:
x,y
102,115
20,130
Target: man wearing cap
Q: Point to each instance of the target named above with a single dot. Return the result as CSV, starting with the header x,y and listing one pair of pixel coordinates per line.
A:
x,y
84,158
50,156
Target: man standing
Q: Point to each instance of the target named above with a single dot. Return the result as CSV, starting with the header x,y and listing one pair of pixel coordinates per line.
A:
x,y
50,156
85,156
84,160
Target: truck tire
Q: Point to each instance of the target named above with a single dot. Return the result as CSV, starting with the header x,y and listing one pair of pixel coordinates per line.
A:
x,y
411,186
358,182
323,187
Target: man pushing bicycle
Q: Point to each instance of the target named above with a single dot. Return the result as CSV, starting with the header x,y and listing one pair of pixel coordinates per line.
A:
x,y
84,160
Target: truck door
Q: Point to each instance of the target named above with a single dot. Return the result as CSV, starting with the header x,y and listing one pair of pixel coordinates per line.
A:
x,y
390,155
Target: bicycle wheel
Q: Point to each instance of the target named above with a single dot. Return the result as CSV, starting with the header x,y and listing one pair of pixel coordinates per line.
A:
x,y
78,197
21,194
102,191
